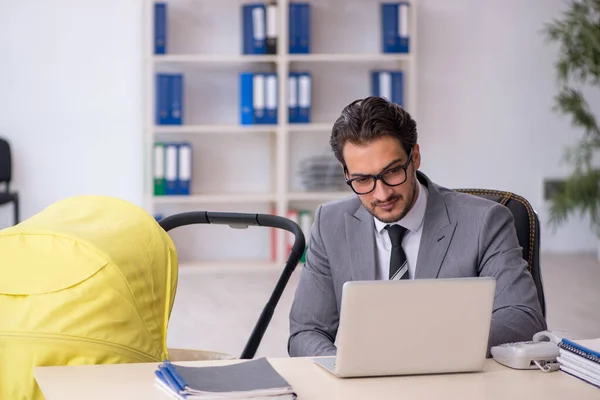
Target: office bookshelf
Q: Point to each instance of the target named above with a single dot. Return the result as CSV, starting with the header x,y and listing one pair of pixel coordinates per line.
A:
x,y
250,168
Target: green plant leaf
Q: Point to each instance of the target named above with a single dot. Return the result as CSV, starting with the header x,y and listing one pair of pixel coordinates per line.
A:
x,y
577,33
579,195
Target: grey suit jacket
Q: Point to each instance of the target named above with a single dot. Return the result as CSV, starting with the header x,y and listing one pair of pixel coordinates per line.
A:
x,y
463,236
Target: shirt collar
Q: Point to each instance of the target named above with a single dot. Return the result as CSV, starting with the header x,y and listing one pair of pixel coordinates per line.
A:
x,y
414,218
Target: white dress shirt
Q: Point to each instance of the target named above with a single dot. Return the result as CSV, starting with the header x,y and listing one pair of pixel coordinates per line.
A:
x,y
413,221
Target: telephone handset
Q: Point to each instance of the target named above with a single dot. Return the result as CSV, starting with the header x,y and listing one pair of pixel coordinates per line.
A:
x,y
541,352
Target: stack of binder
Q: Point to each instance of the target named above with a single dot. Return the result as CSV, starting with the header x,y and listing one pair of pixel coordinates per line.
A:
x,y
299,28
243,380
299,97
322,173
581,359
259,28
169,99
388,84
395,37
172,168
258,98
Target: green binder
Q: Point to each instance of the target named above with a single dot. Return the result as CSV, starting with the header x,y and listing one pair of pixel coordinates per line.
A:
x,y
159,169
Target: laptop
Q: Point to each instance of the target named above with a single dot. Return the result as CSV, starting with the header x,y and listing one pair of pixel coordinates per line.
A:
x,y
411,327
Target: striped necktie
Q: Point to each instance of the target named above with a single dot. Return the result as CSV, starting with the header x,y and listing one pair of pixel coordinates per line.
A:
x,y
398,261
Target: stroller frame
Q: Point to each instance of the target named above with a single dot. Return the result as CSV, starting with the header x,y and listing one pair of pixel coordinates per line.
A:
x,y
241,221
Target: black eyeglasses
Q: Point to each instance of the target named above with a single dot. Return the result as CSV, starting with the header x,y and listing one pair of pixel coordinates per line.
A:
x,y
394,176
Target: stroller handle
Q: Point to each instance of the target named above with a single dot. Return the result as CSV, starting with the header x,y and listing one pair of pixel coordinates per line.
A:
x,y
243,220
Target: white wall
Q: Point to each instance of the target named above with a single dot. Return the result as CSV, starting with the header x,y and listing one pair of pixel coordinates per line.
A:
x,y
70,99
70,80
486,88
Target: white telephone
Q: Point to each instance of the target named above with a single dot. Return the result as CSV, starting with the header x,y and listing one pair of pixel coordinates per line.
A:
x,y
540,352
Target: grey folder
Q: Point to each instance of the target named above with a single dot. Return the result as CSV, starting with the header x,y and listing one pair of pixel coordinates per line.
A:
x,y
256,377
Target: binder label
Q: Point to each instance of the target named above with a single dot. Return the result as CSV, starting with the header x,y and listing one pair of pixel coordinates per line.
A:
x,y
159,161
271,21
385,85
292,92
185,162
304,91
403,20
258,95
271,98
171,169
258,23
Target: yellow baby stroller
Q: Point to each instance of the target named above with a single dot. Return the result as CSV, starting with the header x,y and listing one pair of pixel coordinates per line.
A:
x,y
92,280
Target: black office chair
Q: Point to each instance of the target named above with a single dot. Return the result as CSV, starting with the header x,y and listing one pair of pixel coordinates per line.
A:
x,y
528,230
6,195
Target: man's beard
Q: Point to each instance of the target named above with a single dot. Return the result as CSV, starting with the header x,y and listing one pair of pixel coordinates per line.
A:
x,y
398,198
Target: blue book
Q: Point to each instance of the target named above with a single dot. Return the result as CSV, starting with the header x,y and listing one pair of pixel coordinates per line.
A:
x,y
293,97
403,28
163,99
254,29
176,98
160,28
375,84
397,88
246,107
388,84
381,84
247,32
271,98
389,28
305,28
304,97
184,168
171,161
258,98
299,28
293,37
394,27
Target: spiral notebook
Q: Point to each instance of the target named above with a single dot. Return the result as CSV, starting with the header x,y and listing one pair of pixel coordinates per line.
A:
x,y
581,359
586,348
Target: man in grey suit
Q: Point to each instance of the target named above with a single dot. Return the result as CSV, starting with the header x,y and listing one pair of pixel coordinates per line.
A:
x,y
438,233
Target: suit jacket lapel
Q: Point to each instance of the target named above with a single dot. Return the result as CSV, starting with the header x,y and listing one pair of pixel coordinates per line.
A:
x,y
361,244
437,233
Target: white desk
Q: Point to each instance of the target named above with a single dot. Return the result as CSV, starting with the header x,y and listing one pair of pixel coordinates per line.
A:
x,y
136,381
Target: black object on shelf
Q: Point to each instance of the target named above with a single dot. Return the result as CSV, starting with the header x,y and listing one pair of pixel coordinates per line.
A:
x,y
6,194
241,221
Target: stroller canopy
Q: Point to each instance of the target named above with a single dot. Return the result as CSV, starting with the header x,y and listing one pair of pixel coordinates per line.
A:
x,y
88,280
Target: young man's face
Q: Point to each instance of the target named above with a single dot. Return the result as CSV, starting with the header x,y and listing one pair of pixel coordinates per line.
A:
x,y
386,203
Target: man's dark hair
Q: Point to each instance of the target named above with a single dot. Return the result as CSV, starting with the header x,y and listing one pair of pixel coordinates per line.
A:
x,y
365,120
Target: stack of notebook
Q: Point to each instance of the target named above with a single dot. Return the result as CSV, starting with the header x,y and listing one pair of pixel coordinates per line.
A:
x,y
255,379
581,359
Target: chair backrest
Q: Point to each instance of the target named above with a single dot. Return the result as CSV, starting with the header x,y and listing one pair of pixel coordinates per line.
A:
x,y
5,162
527,225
